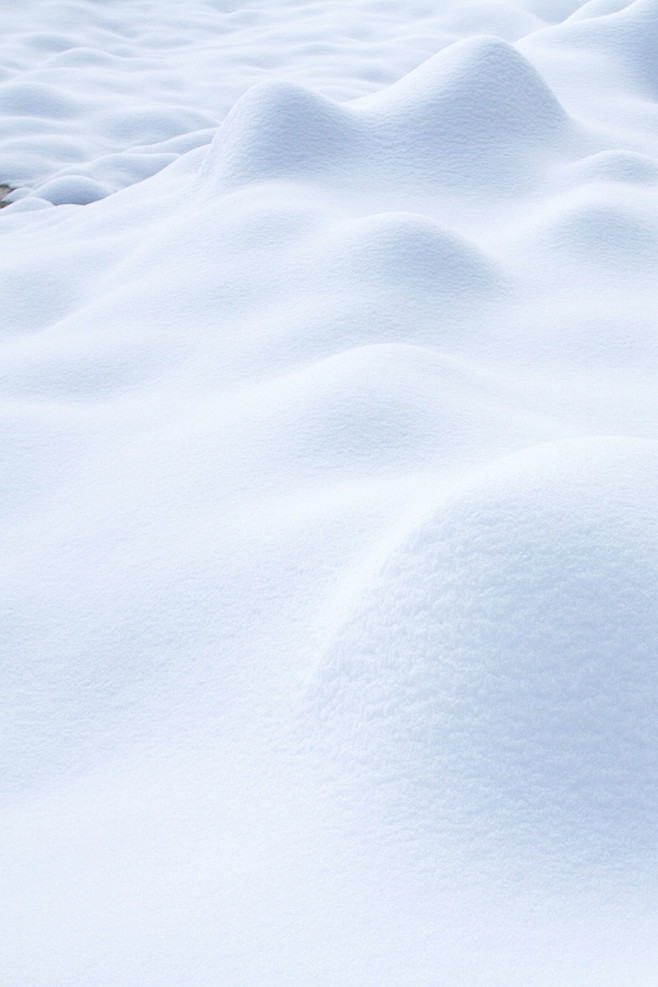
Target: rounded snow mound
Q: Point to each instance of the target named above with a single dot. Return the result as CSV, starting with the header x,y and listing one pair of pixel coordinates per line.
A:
x,y
72,189
626,35
398,249
475,91
478,113
498,674
594,231
617,166
370,409
35,99
599,8
279,130
475,116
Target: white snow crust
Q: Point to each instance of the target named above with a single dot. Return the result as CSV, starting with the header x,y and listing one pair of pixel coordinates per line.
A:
x,y
329,493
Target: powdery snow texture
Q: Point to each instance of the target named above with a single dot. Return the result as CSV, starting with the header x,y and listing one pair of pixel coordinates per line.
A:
x,y
329,484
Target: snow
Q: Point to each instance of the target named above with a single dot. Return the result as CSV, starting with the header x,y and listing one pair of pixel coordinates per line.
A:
x,y
329,473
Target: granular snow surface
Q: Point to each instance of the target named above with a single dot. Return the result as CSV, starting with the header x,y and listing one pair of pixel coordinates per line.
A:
x,y
329,493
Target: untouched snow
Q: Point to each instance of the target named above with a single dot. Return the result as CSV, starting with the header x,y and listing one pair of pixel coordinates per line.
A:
x,y
329,488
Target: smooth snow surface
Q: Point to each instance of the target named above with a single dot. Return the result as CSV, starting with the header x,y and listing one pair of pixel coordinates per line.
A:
x,y
330,493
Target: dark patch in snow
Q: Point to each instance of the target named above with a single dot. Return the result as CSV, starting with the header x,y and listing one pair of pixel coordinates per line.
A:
x,y
4,192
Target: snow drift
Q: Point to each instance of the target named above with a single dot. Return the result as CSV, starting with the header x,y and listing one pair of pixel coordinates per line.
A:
x,y
328,482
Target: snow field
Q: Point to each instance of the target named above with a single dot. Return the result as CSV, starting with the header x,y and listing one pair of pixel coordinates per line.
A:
x,y
329,474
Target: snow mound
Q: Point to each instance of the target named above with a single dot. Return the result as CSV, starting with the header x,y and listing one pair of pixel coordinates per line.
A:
x,y
616,166
499,671
481,88
73,189
369,411
408,250
590,229
623,39
34,99
476,115
280,130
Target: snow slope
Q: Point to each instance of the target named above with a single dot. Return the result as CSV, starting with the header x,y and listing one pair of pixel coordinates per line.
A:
x,y
329,484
